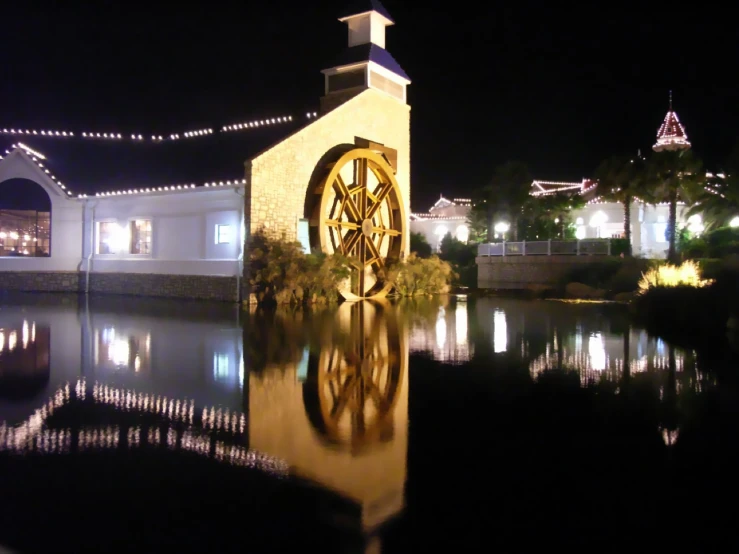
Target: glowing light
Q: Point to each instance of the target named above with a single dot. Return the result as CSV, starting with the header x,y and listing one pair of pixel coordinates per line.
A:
x,y
598,219
460,324
597,352
463,233
502,227
14,235
31,151
441,329
734,223
500,332
695,224
580,232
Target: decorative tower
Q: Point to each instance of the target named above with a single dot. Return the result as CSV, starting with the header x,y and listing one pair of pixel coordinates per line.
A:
x,y
671,135
365,63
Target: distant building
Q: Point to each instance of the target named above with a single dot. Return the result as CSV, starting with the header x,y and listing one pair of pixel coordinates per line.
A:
x,y
446,216
598,219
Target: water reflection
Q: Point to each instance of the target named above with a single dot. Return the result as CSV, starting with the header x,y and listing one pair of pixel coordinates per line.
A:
x,y
24,359
448,318
320,396
56,428
341,418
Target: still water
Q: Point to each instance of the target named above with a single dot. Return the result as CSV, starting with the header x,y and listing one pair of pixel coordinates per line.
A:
x,y
350,429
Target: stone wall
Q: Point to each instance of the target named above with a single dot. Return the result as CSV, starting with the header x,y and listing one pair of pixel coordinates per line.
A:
x,y
201,287
40,281
278,179
523,272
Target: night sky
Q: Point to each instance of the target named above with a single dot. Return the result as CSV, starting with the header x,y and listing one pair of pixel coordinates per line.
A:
x,y
558,89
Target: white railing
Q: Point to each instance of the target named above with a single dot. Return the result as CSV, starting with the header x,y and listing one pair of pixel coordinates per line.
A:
x,y
588,247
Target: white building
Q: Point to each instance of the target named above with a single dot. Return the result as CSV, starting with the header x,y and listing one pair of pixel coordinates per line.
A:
x,y
446,216
598,219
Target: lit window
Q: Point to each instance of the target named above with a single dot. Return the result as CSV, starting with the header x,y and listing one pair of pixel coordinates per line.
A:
x,y
223,234
141,236
660,232
463,233
109,237
220,366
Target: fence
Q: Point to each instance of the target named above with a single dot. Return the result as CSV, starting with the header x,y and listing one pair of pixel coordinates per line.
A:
x,y
589,247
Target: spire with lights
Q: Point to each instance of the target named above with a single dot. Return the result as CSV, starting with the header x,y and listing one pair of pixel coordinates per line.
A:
x,y
671,135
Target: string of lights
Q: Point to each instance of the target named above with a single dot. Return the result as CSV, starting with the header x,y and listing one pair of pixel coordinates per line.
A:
x,y
32,155
139,137
256,123
169,188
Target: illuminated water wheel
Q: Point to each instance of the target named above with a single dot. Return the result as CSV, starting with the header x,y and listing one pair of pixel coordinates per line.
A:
x,y
362,216
354,383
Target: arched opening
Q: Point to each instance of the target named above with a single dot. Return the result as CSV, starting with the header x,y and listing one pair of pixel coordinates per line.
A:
x,y
25,219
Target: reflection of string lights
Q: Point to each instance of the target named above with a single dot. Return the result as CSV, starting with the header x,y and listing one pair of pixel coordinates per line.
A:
x,y
30,436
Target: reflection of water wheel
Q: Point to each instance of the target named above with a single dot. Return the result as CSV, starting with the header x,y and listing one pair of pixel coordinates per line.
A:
x,y
361,215
354,383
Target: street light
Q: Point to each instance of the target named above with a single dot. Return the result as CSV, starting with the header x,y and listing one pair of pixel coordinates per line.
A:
x,y
502,228
599,218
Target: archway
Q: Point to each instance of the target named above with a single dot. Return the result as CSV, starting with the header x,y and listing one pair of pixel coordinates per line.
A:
x,y
25,219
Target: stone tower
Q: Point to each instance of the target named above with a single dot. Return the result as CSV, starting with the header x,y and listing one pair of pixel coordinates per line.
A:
x,y
671,135
365,64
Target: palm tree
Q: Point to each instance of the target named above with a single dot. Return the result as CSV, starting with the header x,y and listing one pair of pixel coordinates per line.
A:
x,y
622,179
506,194
673,176
718,202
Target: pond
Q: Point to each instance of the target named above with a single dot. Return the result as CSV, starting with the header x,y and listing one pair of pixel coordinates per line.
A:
x,y
371,427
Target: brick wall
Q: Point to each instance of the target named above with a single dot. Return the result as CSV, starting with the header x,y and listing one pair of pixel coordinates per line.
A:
x,y
521,272
278,179
201,287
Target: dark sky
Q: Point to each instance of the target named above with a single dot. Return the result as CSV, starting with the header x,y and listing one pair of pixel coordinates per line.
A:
x,y
557,88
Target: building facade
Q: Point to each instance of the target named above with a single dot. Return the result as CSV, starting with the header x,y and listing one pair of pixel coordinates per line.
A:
x,y
115,223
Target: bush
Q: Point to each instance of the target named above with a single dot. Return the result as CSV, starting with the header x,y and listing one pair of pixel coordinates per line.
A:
x,y
280,272
416,276
619,246
716,244
420,246
669,276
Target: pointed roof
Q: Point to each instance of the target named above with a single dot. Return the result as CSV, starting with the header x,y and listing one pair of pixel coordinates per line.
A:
x,y
362,7
671,135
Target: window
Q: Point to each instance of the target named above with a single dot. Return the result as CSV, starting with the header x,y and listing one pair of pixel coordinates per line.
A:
x,y
346,80
223,234
108,233
141,236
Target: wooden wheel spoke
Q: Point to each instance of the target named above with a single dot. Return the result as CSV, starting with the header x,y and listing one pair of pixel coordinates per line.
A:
x,y
348,206
378,399
386,231
344,396
374,252
350,241
342,224
379,197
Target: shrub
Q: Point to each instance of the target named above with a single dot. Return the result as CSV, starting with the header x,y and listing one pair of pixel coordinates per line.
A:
x,y
416,276
669,276
280,272
420,246
716,244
